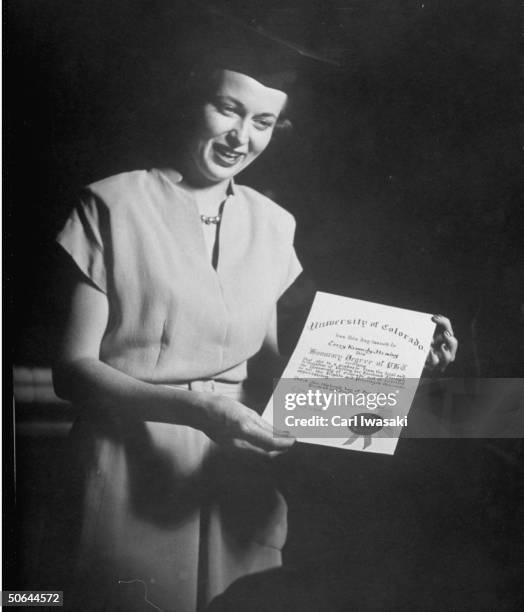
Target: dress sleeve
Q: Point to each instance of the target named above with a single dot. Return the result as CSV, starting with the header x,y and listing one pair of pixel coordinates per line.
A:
x,y
294,270
81,238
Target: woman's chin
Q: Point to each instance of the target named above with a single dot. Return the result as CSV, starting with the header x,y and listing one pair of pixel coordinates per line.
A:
x,y
217,172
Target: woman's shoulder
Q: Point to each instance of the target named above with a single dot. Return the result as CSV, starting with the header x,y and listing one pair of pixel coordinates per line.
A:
x,y
117,185
124,194
263,207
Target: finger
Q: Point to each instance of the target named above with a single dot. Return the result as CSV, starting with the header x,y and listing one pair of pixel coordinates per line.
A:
x,y
274,454
451,344
271,452
237,446
443,322
444,338
278,433
270,428
253,433
432,360
251,419
445,358
244,446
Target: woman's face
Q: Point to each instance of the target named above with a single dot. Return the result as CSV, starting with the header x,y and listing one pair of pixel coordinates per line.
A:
x,y
233,127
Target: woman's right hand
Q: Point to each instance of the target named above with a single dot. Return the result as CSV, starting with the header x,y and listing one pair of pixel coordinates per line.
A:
x,y
232,424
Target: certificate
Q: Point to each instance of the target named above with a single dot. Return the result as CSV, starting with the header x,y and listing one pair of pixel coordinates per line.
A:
x,y
352,377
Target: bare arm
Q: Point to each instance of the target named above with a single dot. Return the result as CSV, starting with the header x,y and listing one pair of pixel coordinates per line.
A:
x,y
82,378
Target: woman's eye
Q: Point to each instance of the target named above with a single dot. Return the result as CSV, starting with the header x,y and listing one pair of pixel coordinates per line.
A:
x,y
226,109
263,124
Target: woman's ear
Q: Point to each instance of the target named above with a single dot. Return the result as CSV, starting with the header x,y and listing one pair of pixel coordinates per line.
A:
x,y
283,125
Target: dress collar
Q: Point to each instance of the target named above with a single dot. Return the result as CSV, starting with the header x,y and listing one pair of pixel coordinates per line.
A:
x,y
175,177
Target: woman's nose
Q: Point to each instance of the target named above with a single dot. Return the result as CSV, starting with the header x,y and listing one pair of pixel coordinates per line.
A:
x,y
239,134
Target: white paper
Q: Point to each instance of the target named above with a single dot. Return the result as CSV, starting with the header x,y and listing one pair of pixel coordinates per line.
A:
x,y
355,346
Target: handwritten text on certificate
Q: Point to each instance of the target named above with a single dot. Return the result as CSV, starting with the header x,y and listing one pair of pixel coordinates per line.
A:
x,y
351,379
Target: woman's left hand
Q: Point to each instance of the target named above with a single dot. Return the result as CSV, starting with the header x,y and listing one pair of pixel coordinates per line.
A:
x,y
444,346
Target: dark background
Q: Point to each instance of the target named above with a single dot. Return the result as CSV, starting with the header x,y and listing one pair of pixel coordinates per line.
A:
x,y
403,170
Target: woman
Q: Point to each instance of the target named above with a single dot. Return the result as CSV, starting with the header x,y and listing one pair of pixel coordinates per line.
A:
x,y
180,273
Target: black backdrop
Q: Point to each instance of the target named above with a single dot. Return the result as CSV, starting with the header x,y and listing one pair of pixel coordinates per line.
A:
x,y
403,172
402,167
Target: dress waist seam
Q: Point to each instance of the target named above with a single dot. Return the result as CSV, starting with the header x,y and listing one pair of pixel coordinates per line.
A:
x,y
211,386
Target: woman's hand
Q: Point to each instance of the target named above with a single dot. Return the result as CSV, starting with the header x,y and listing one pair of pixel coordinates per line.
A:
x,y
231,424
444,346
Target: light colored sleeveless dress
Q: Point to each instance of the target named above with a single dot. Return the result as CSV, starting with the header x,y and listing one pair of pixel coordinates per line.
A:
x,y
169,520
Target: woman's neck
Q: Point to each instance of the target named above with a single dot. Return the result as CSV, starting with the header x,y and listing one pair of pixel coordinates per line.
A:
x,y
209,195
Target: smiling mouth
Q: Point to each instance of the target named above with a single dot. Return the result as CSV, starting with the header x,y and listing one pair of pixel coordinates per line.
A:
x,y
226,156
